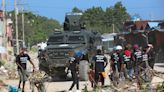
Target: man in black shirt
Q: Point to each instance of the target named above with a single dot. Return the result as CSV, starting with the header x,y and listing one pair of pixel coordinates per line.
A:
x,y
21,61
74,67
100,62
117,65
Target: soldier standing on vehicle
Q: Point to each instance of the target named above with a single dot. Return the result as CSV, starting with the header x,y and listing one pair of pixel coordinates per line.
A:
x,y
21,61
100,62
74,67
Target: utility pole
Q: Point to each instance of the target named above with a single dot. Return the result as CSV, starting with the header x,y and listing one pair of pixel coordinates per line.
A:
x,y
16,26
113,28
23,26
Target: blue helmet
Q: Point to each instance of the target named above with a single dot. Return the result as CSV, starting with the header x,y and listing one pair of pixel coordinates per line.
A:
x,y
78,54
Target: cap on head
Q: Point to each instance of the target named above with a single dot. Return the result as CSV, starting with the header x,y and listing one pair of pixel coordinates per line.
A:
x,y
136,46
78,54
118,47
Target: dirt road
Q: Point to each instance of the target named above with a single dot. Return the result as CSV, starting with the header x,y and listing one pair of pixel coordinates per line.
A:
x,y
64,85
52,86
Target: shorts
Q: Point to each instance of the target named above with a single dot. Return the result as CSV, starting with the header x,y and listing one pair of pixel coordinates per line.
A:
x,y
22,75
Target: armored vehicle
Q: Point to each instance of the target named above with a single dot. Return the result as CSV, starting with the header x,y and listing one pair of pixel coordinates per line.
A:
x,y
74,38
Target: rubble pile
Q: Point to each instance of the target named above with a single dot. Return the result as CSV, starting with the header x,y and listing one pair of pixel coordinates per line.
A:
x,y
156,85
12,74
37,76
3,71
9,71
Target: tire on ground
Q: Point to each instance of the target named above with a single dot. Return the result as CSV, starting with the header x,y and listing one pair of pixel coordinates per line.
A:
x,y
83,70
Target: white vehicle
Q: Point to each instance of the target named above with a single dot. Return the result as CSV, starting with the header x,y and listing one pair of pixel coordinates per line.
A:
x,y
108,42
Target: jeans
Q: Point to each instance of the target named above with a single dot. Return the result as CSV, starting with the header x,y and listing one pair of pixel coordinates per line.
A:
x,y
75,77
99,77
130,72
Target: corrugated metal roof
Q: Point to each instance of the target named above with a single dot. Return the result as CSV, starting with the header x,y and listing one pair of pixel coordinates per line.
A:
x,y
153,24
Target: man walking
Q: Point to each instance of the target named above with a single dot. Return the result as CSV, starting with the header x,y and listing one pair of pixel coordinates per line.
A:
x,y
137,59
100,62
74,67
117,65
21,61
127,55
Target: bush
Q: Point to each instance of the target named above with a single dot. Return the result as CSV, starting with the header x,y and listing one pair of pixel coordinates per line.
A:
x,y
33,49
2,63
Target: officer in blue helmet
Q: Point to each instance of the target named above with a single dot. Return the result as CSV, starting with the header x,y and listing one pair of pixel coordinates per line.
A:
x,y
74,67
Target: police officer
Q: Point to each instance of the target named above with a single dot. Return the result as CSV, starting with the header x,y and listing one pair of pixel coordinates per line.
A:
x,y
127,55
74,67
145,58
117,63
137,58
100,62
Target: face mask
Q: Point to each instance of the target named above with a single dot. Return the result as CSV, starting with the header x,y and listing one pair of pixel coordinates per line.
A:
x,y
25,52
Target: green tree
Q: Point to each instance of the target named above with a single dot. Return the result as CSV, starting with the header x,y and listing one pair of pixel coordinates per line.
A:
x,y
98,19
37,28
94,18
120,15
76,10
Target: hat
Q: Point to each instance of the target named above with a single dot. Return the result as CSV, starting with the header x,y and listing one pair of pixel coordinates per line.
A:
x,y
78,54
118,47
136,46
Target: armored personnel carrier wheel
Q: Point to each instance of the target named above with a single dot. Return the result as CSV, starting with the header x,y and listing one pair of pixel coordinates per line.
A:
x,y
83,70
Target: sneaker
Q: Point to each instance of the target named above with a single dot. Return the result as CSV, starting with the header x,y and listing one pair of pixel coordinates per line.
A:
x,y
69,91
78,91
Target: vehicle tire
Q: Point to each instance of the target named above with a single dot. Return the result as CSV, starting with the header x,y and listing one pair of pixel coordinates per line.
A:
x,y
83,70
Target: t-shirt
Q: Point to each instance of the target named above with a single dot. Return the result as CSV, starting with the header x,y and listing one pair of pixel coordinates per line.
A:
x,y
73,65
128,59
117,59
137,55
99,63
71,59
22,60
144,57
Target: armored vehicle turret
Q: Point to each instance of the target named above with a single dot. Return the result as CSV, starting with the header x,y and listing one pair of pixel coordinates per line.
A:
x,y
73,22
74,38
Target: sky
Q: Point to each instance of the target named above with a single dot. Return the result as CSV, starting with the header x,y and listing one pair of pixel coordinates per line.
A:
x,y
56,9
